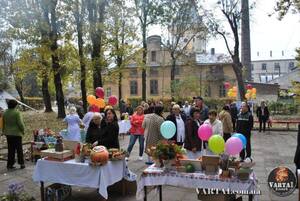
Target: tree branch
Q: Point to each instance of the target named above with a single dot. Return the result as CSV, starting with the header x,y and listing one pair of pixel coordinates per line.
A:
x,y
226,42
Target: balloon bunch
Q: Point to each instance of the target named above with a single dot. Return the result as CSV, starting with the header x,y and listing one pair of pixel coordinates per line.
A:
x,y
232,92
216,143
98,103
251,92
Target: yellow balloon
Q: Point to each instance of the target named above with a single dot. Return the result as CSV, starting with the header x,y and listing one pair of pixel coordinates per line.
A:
x,y
249,91
91,99
253,96
247,96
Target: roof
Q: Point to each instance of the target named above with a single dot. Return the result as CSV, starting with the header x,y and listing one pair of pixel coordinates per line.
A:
x,y
285,81
205,58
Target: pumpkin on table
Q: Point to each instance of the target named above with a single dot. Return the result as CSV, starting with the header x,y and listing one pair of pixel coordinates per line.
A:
x,y
99,154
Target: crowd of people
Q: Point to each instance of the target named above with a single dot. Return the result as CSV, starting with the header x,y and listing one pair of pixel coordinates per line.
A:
x,y
146,119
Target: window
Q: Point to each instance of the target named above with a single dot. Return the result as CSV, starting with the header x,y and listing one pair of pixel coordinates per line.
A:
x,y
153,72
291,65
153,56
133,73
177,71
133,87
252,67
277,67
264,66
153,87
108,92
208,91
222,91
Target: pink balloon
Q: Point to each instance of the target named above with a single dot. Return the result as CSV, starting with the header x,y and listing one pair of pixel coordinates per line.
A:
x,y
112,100
227,85
205,132
249,86
233,146
100,92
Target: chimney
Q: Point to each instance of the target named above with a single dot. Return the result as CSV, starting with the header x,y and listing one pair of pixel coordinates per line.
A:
x,y
271,53
282,53
212,51
258,54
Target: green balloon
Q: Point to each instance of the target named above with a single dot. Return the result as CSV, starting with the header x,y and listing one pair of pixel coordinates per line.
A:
x,y
216,144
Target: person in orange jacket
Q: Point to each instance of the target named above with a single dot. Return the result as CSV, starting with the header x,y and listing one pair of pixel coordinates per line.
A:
x,y
137,131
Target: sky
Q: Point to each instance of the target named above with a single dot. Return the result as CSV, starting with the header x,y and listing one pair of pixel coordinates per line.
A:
x,y
267,33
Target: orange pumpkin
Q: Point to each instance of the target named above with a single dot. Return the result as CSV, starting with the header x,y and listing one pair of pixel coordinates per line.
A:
x,y
99,154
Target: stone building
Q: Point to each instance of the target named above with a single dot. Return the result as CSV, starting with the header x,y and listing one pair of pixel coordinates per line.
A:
x,y
206,71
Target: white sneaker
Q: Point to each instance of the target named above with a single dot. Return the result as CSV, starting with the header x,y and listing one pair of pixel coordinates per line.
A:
x,y
140,158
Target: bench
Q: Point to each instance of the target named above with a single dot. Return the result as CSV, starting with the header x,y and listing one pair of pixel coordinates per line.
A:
x,y
287,122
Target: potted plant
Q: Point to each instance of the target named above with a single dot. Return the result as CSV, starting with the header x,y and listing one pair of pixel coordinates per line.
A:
x,y
166,153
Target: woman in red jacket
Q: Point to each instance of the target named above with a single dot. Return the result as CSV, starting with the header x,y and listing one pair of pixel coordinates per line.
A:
x,y
137,131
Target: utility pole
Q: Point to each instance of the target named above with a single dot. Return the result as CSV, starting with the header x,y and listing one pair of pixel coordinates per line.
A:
x,y
245,39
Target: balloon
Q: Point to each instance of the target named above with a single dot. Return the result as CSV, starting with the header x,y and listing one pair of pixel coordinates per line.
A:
x,y
100,103
168,129
247,96
233,146
205,132
91,99
227,85
242,137
249,91
254,90
253,96
93,108
99,92
234,94
234,89
216,144
230,90
112,100
249,86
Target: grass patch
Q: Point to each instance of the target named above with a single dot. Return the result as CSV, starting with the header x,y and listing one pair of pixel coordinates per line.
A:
x,y
38,120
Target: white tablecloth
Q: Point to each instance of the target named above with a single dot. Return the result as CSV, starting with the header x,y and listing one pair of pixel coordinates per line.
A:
x,y
82,174
153,176
124,126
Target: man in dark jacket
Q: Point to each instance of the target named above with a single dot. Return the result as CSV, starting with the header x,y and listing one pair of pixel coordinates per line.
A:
x,y
202,107
179,120
263,114
244,126
233,112
297,153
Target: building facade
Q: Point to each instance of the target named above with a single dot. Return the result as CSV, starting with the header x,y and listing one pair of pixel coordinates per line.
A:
x,y
197,74
268,67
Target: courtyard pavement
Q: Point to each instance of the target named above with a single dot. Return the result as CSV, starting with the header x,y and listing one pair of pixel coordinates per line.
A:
x,y
269,151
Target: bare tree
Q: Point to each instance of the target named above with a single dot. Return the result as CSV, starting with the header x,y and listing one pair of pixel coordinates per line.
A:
x,y
184,24
232,12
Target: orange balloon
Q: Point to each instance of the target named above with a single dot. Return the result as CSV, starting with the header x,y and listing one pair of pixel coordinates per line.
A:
x,y
100,103
254,90
234,89
91,99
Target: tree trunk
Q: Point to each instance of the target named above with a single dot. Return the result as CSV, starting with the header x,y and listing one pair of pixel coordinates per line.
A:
x,y
46,94
55,62
96,19
120,86
19,88
245,39
237,68
173,74
144,73
78,18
